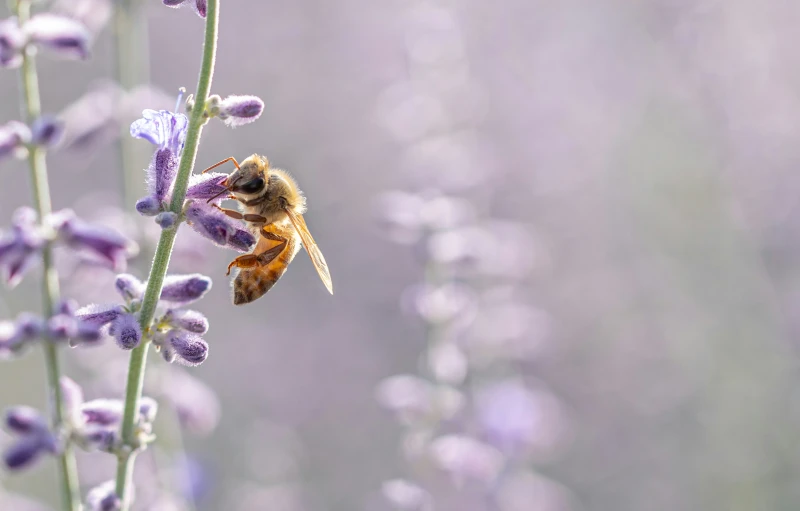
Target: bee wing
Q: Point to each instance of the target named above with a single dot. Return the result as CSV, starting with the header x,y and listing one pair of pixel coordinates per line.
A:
x,y
311,247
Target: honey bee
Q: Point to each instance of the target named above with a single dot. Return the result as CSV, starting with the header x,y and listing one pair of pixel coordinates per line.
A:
x,y
272,206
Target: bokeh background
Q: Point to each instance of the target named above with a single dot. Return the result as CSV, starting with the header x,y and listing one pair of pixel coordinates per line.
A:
x,y
641,156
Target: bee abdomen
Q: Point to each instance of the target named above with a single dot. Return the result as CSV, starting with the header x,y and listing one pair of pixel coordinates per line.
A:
x,y
252,284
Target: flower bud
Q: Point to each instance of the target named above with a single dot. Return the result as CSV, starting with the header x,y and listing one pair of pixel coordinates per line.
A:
x,y
206,186
148,206
190,348
103,498
62,327
148,407
240,110
24,452
161,173
60,34
72,394
13,136
129,287
189,320
99,315
24,419
12,40
241,240
166,219
47,131
110,246
210,222
185,288
126,331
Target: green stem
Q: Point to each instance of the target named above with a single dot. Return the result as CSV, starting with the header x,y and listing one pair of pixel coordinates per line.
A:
x,y
68,472
158,270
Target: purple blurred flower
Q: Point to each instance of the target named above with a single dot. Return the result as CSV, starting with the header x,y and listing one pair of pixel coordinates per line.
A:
x,y
103,498
12,40
19,250
47,131
465,458
110,246
72,395
27,449
15,335
62,35
199,6
98,315
190,348
185,289
126,331
24,419
13,137
240,110
195,402
189,320
129,287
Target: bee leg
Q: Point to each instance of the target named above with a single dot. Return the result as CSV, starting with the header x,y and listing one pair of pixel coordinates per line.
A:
x,y
226,160
262,259
248,217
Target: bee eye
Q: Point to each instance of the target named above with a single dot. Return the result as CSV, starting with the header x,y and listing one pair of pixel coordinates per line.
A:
x,y
252,186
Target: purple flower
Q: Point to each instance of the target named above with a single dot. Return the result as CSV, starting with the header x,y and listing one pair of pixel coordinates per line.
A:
x,y
218,227
189,320
14,335
195,402
190,348
72,394
161,173
99,315
12,40
110,246
129,287
103,498
166,219
185,288
207,186
240,110
162,128
465,458
241,240
47,131
60,34
13,137
19,250
25,420
199,6
126,331
148,206
27,449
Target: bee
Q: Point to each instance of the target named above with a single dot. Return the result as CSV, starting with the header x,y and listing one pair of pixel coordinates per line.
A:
x,y
272,207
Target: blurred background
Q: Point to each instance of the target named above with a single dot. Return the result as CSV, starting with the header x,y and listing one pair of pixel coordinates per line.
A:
x,y
573,218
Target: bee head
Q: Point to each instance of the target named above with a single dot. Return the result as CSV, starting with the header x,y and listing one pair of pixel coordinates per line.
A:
x,y
250,177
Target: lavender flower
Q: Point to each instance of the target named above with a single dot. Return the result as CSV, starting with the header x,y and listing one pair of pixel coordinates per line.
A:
x,y
240,110
129,287
19,250
126,331
62,35
109,246
189,320
167,219
189,348
98,315
184,289
15,335
199,6
47,131
12,40
24,419
207,186
13,137
103,498
34,438
212,223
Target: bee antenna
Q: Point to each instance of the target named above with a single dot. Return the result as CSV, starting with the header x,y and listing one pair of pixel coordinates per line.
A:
x,y
225,190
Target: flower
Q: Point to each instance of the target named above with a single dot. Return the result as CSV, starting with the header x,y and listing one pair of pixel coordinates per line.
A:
x,y
24,419
126,331
189,320
162,128
62,35
15,335
189,348
199,6
108,245
47,131
207,186
13,136
103,497
218,227
19,250
12,40
185,289
34,437
240,110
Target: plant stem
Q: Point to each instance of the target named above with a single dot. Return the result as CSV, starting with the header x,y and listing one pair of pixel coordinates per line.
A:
x,y
160,264
68,471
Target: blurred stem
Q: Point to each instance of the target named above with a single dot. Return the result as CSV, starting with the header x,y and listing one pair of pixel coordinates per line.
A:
x,y
68,473
160,264
131,69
